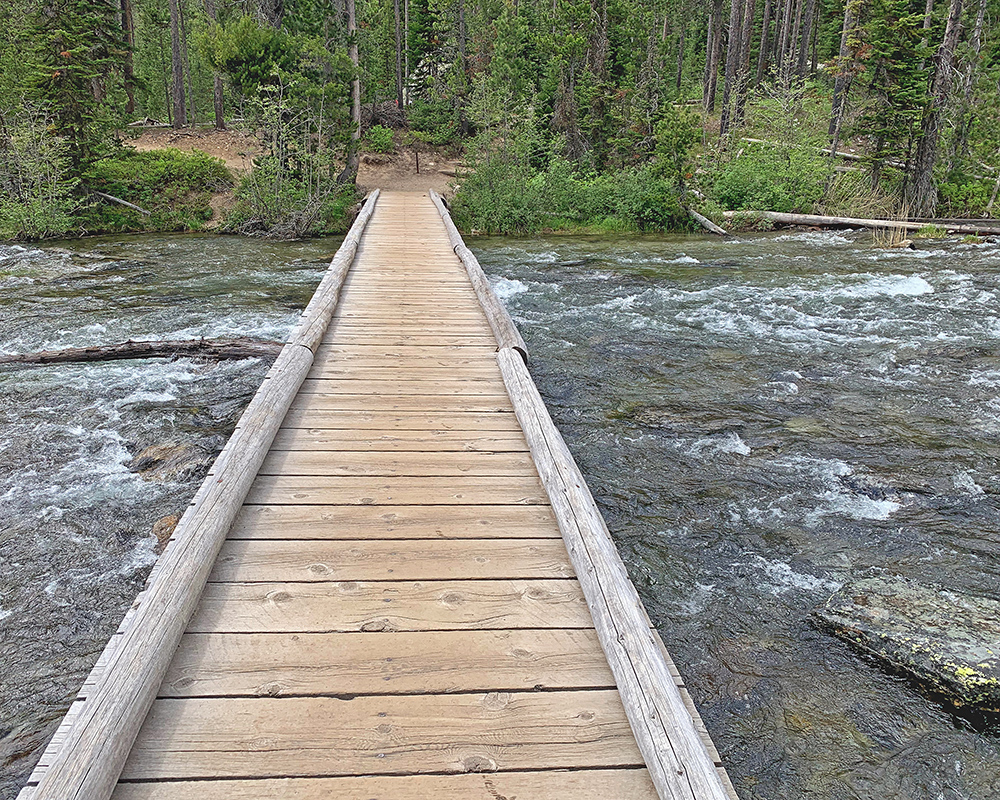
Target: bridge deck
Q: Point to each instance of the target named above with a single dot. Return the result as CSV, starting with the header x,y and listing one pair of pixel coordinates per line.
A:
x,y
394,613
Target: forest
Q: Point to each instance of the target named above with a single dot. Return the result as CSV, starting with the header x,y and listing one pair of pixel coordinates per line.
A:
x,y
569,114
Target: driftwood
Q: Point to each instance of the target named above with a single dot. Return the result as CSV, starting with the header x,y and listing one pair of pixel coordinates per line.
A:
x,y
121,202
240,347
706,223
853,222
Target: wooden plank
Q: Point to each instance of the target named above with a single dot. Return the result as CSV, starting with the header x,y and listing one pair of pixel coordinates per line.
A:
x,y
325,736
375,491
88,764
503,326
355,560
411,373
457,352
422,441
297,664
445,464
459,404
679,764
402,420
591,784
397,338
352,386
394,522
355,606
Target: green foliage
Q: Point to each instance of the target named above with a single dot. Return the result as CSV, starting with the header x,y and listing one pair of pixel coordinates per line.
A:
x,y
174,187
517,188
437,120
964,195
250,53
379,139
771,178
35,192
76,73
676,133
931,232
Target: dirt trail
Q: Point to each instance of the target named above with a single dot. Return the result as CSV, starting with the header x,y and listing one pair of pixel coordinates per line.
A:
x,y
395,171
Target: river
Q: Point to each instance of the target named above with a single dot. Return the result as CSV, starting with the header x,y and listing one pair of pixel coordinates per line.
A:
x,y
760,420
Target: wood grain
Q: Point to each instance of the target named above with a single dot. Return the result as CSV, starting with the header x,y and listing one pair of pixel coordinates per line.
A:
x,y
363,439
591,784
270,737
356,606
439,662
409,464
305,522
359,559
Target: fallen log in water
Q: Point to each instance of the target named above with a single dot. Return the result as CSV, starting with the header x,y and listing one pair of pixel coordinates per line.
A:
x,y
238,347
854,222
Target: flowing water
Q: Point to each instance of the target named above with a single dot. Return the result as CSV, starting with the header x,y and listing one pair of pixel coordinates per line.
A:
x,y
760,420
75,522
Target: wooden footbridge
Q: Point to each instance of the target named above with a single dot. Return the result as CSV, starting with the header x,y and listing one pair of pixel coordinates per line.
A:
x,y
394,583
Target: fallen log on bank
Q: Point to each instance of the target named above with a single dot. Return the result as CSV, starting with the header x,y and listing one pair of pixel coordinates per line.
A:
x,y
854,222
235,348
706,223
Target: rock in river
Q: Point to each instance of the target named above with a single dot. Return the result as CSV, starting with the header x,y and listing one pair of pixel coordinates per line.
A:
x,y
946,640
171,461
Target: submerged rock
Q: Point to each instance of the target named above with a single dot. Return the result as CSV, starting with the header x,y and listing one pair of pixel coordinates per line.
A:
x,y
163,529
946,640
170,461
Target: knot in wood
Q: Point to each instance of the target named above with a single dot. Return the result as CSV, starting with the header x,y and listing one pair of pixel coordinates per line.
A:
x,y
496,701
478,764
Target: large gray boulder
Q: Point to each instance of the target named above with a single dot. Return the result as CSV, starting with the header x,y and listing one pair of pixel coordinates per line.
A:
x,y
946,640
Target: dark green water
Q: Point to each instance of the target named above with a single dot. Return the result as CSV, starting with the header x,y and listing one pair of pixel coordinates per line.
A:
x,y
760,421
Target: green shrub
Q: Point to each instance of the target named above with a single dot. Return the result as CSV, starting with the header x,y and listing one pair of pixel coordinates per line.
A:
x,y
35,194
964,195
771,178
437,121
272,202
175,187
379,139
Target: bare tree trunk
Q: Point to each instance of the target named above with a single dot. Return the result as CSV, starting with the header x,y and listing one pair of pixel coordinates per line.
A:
x,y
922,193
220,120
186,57
783,37
712,52
743,73
852,10
765,41
791,61
807,27
350,172
406,42
967,80
399,54
177,66
733,50
928,21
128,71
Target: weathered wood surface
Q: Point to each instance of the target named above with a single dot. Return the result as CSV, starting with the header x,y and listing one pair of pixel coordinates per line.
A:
x,y
235,348
856,222
394,609
98,741
679,763
506,332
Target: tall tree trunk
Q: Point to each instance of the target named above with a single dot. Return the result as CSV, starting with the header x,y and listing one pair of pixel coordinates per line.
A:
x,y
743,71
350,172
922,194
791,62
715,56
176,66
128,69
765,41
852,11
733,51
928,21
220,120
967,82
399,54
680,59
406,43
186,57
807,26
784,35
